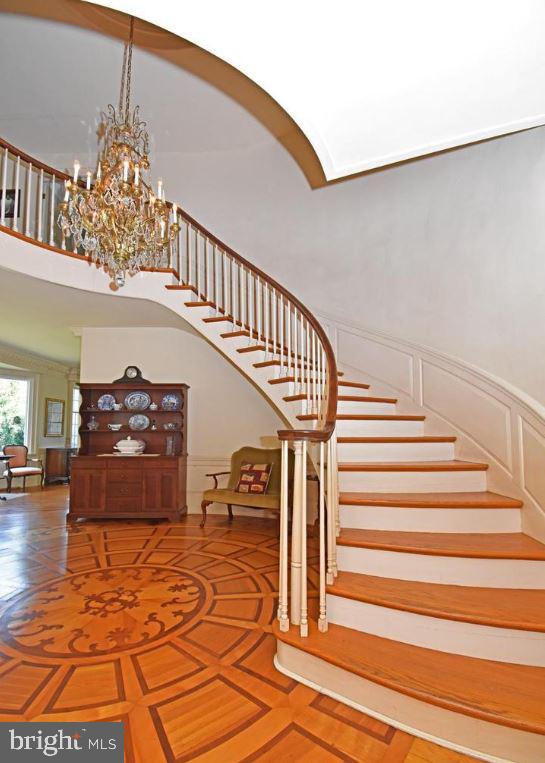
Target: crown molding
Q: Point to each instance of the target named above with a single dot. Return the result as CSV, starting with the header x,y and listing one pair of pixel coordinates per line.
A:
x,y
22,359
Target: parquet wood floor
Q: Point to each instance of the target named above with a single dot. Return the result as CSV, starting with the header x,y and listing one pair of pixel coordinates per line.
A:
x,y
166,627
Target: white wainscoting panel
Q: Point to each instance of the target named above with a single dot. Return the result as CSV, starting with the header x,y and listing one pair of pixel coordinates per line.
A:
x,y
533,465
469,408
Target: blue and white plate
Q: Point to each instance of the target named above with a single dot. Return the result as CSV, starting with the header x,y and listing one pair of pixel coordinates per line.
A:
x,y
171,402
138,422
137,401
106,403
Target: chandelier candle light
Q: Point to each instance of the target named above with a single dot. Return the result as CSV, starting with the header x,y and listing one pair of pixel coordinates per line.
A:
x,y
117,220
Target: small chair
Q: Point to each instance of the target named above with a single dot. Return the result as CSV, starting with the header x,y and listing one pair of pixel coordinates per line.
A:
x,y
17,466
269,500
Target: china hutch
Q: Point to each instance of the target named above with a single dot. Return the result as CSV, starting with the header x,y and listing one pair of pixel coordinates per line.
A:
x,y
152,484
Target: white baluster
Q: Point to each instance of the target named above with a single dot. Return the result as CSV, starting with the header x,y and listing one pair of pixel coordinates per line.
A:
x,y
283,569
296,535
215,275
26,213
267,321
16,204
224,272
52,211
331,514
4,189
307,358
288,336
274,304
297,369
187,255
335,485
40,204
303,620
258,307
314,373
281,327
198,264
250,302
301,345
322,617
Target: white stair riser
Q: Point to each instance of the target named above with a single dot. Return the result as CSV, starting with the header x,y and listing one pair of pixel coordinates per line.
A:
x,y
395,451
365,408
379,428
489,741
454,570
469,639
431,520
412,482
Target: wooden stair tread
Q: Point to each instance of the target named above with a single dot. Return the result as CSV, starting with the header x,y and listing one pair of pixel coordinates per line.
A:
x,y
282,380
412,466
203,303
233,334
423,438
498,692
357,385
482,500
218,319
471,545
366,399
181,287
252,348
521,609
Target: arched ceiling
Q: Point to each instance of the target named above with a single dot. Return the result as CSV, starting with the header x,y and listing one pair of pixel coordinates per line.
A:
x,y
374,83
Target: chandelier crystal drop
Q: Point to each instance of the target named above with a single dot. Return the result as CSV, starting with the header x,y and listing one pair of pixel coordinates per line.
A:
x,y
115,217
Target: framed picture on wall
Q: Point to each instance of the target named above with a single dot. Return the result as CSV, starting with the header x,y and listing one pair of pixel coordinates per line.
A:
x,y
54,417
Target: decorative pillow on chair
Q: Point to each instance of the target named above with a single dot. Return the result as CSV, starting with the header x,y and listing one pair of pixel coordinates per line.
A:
x,y
254,478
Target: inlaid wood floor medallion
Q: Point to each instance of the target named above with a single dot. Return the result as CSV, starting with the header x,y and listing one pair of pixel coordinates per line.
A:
x,y
166,627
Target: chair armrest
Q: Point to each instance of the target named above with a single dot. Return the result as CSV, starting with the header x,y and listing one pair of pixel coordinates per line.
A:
x,y
36,461
215,476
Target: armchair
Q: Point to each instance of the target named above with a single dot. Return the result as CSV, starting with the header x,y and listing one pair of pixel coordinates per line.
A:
x,y
228,495
20,465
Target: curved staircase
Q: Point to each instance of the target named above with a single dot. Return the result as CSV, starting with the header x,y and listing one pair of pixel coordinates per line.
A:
x,y
433,617
437,614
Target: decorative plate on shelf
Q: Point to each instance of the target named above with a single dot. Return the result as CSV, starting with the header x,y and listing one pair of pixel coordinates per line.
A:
x,y
106,403
137,401
171,402
138,422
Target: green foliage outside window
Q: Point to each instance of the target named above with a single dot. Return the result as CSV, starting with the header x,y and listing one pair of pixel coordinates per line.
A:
x,y
13,406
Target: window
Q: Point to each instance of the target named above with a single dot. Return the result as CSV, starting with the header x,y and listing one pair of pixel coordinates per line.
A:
x,y
76,402
14,411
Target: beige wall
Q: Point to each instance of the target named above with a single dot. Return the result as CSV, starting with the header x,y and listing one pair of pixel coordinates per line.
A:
x,y
225,411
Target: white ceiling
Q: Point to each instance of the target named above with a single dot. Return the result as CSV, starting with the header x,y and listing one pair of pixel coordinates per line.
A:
x,y
38,316
372,83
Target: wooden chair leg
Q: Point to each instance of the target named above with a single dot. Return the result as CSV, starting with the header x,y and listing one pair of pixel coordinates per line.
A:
x,y
204,504
230,510
24,484
42,480
9,478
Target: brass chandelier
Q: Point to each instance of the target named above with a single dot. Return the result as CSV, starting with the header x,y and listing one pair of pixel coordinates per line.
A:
x,y
114,217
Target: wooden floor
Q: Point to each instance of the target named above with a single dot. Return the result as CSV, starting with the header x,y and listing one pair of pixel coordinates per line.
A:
x,y
168,628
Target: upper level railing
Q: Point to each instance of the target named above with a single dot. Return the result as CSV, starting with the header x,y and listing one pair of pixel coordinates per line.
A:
x,y
290,337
